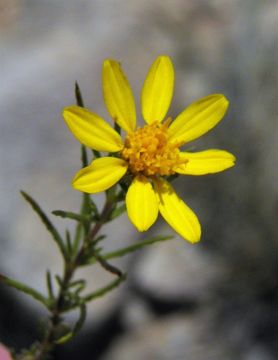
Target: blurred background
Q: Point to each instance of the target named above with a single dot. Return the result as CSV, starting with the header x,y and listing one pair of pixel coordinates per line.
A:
x,y
215,300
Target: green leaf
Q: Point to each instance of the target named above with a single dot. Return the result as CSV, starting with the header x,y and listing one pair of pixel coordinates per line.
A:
x,y
24,288
64,338
108,267
68,243
92,208
49,286
81,320
99,238
59,280
129,249
78,325
50,227
62,333
88,209
78,234
71,215
137,246
78,285
86,204
105,289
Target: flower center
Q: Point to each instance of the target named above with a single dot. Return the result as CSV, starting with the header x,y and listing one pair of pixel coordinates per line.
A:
x,y
149,152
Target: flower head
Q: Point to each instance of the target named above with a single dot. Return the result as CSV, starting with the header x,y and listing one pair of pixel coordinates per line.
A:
x,y
149,153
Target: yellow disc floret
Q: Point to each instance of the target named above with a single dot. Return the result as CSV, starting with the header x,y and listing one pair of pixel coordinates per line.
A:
x,y
149,152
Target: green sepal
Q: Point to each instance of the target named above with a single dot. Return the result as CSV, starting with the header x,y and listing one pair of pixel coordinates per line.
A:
x,y
117,211
173,177
117,128
121,195
96,153
126,181
78,95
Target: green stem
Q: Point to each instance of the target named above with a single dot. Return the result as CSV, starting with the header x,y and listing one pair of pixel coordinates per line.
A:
x,y
107,209
49,340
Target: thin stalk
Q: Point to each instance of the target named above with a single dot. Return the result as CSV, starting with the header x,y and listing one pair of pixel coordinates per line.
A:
x,y
48,342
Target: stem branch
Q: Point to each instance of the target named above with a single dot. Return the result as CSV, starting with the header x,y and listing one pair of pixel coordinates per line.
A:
x,y
49,340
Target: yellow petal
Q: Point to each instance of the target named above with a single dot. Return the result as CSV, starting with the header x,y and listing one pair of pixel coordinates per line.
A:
x,y
118,96
178,215
157,91
91,130
141,203
198,118
205,162
100,175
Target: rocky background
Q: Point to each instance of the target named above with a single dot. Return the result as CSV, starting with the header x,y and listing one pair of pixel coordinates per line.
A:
x,y
217,300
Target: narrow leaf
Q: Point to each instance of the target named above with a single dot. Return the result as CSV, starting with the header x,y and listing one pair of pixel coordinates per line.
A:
x,y
59,280
137,246
49,285
77,238
99,238
71,215
79,286
81,320
93,208
50,227
130,249
108,267
105,289
24,288
68,242
64,338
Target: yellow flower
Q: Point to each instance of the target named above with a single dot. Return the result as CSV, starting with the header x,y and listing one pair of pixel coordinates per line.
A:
x,y
149,153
